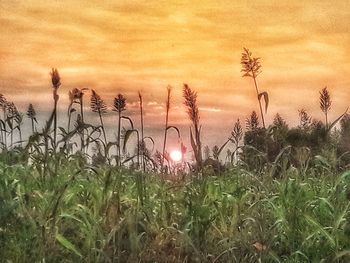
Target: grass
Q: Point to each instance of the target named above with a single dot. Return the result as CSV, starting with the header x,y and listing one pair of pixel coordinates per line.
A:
x,y
108,214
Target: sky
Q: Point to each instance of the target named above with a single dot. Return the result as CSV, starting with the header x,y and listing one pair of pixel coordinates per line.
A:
x,y
129,46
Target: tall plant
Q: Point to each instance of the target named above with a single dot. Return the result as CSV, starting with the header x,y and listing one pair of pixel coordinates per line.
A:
x,y
56,83
167,108
99,106
305,119
235,138
31,114
142,142
12,117
190,102
76,97
251,68
325,102
167,127
119,107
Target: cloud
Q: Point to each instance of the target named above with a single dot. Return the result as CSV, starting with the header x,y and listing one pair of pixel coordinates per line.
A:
x,y
130,46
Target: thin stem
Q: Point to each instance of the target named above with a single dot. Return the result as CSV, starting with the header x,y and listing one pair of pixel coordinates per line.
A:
x,y
32,125
119,129
55,119
142,136
11,132
69,120
166,126
82,120
257,94
104,133
5,135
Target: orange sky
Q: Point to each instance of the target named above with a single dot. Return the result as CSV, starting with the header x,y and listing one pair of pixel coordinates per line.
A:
x,y
126,46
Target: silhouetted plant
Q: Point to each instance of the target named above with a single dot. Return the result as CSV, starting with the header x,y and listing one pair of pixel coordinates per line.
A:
x,y
12,115
31,114
251,68
99,106
252,123
119,107
76,97
56,83
143,145
235,138
190,97
167,108
237,133
215,152
305,119
325,102
167,126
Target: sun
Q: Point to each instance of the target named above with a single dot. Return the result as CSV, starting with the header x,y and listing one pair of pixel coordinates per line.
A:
x,y
176,155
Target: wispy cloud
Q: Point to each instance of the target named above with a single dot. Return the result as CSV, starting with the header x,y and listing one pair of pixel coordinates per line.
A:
x,y
127,46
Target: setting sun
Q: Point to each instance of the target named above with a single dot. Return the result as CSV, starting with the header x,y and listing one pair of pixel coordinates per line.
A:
x,y
176,155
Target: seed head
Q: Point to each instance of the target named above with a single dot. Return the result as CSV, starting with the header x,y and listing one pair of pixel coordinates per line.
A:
x,y
55,78
119,103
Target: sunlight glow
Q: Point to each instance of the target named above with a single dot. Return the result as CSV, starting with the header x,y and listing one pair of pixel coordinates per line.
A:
x,y
176,155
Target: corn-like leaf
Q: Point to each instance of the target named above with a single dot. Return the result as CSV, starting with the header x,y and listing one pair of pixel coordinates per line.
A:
x,y
175,128
266,99
337,120
130,121
127,135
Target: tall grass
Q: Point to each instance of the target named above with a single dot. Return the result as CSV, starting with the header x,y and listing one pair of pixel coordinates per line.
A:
x,y
119,107
325,103
251,67
56,83
99,106
190,102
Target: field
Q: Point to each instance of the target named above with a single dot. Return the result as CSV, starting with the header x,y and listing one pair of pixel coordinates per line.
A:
x,y
108,214
70,194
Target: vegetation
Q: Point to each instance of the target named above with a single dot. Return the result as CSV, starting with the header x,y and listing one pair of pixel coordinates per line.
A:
x,y
281,194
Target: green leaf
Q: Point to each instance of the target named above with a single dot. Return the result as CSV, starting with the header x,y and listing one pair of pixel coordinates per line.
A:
x,y
67,244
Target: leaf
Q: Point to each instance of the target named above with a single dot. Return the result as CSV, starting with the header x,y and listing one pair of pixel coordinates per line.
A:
x,y
127,135
151,139
67,244
336,121
130,121
266,99
319,229
129,159
223,146
175,128
193,144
